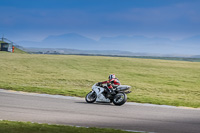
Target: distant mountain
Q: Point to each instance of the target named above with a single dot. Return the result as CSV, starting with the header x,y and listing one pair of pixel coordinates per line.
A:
x,y
75,51
196,56
135,44
117,53
134,39
70,41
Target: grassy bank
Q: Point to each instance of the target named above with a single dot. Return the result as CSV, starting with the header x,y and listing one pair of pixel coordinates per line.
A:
x,y
153,81
16,50
28,127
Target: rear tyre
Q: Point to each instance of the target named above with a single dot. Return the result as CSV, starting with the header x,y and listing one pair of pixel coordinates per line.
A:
x,y
91,97
120,98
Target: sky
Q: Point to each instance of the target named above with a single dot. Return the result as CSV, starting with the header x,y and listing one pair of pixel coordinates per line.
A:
x,y
34,20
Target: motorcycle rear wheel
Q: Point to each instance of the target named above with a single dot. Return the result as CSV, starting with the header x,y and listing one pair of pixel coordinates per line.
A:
x,y
120,98
91,97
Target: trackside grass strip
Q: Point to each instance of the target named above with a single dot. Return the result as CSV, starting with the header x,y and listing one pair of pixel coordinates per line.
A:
x,y
153,81
28,127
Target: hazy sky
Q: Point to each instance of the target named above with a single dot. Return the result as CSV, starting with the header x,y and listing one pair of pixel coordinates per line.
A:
x,y
36,19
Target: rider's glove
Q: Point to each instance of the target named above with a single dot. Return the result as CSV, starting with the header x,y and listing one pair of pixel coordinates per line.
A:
x,y
98,83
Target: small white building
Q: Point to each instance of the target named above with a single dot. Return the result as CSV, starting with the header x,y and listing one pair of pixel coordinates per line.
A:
x,y
5,46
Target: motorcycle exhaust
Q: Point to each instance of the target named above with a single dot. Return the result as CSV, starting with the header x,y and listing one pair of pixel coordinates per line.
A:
x,y
126,92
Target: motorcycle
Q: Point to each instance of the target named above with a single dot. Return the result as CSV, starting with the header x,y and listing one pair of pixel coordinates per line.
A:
x,y
101,93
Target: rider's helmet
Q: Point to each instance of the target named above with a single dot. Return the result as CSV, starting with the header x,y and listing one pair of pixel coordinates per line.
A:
x,y
111,76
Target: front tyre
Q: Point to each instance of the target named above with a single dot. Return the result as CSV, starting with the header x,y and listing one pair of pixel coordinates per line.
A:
x,y
120,98
91,97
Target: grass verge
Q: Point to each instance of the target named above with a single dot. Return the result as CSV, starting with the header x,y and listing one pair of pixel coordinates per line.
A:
x,y
28,127
16,50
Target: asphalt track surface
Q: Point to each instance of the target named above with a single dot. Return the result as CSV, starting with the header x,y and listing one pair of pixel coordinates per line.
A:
x,y
53,109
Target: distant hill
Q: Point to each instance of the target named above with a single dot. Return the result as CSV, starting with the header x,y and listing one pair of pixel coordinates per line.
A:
x,y
102,53
113,53
74,51
69,41
196,56
135,44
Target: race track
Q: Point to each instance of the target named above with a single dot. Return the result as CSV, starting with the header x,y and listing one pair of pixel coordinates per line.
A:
x,y
43,108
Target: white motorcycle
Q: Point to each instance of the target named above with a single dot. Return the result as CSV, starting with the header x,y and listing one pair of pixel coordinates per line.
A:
x,y
101,93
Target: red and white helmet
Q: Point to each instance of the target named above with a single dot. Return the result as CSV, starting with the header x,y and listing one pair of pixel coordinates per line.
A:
x,y
111,76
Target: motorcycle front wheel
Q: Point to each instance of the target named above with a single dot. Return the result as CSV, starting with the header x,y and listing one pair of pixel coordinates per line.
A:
x,y
91,97
120,98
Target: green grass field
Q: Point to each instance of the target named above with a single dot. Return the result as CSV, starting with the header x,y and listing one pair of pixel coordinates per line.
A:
x,y
153,81
28,127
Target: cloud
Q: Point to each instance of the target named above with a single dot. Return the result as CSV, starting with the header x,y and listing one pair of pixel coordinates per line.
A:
x,y
104,18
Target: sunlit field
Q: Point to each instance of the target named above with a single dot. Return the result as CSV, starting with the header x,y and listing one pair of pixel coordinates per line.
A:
x,y
153,81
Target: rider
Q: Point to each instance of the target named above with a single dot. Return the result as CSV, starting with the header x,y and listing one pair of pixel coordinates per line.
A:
x,y
112,82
